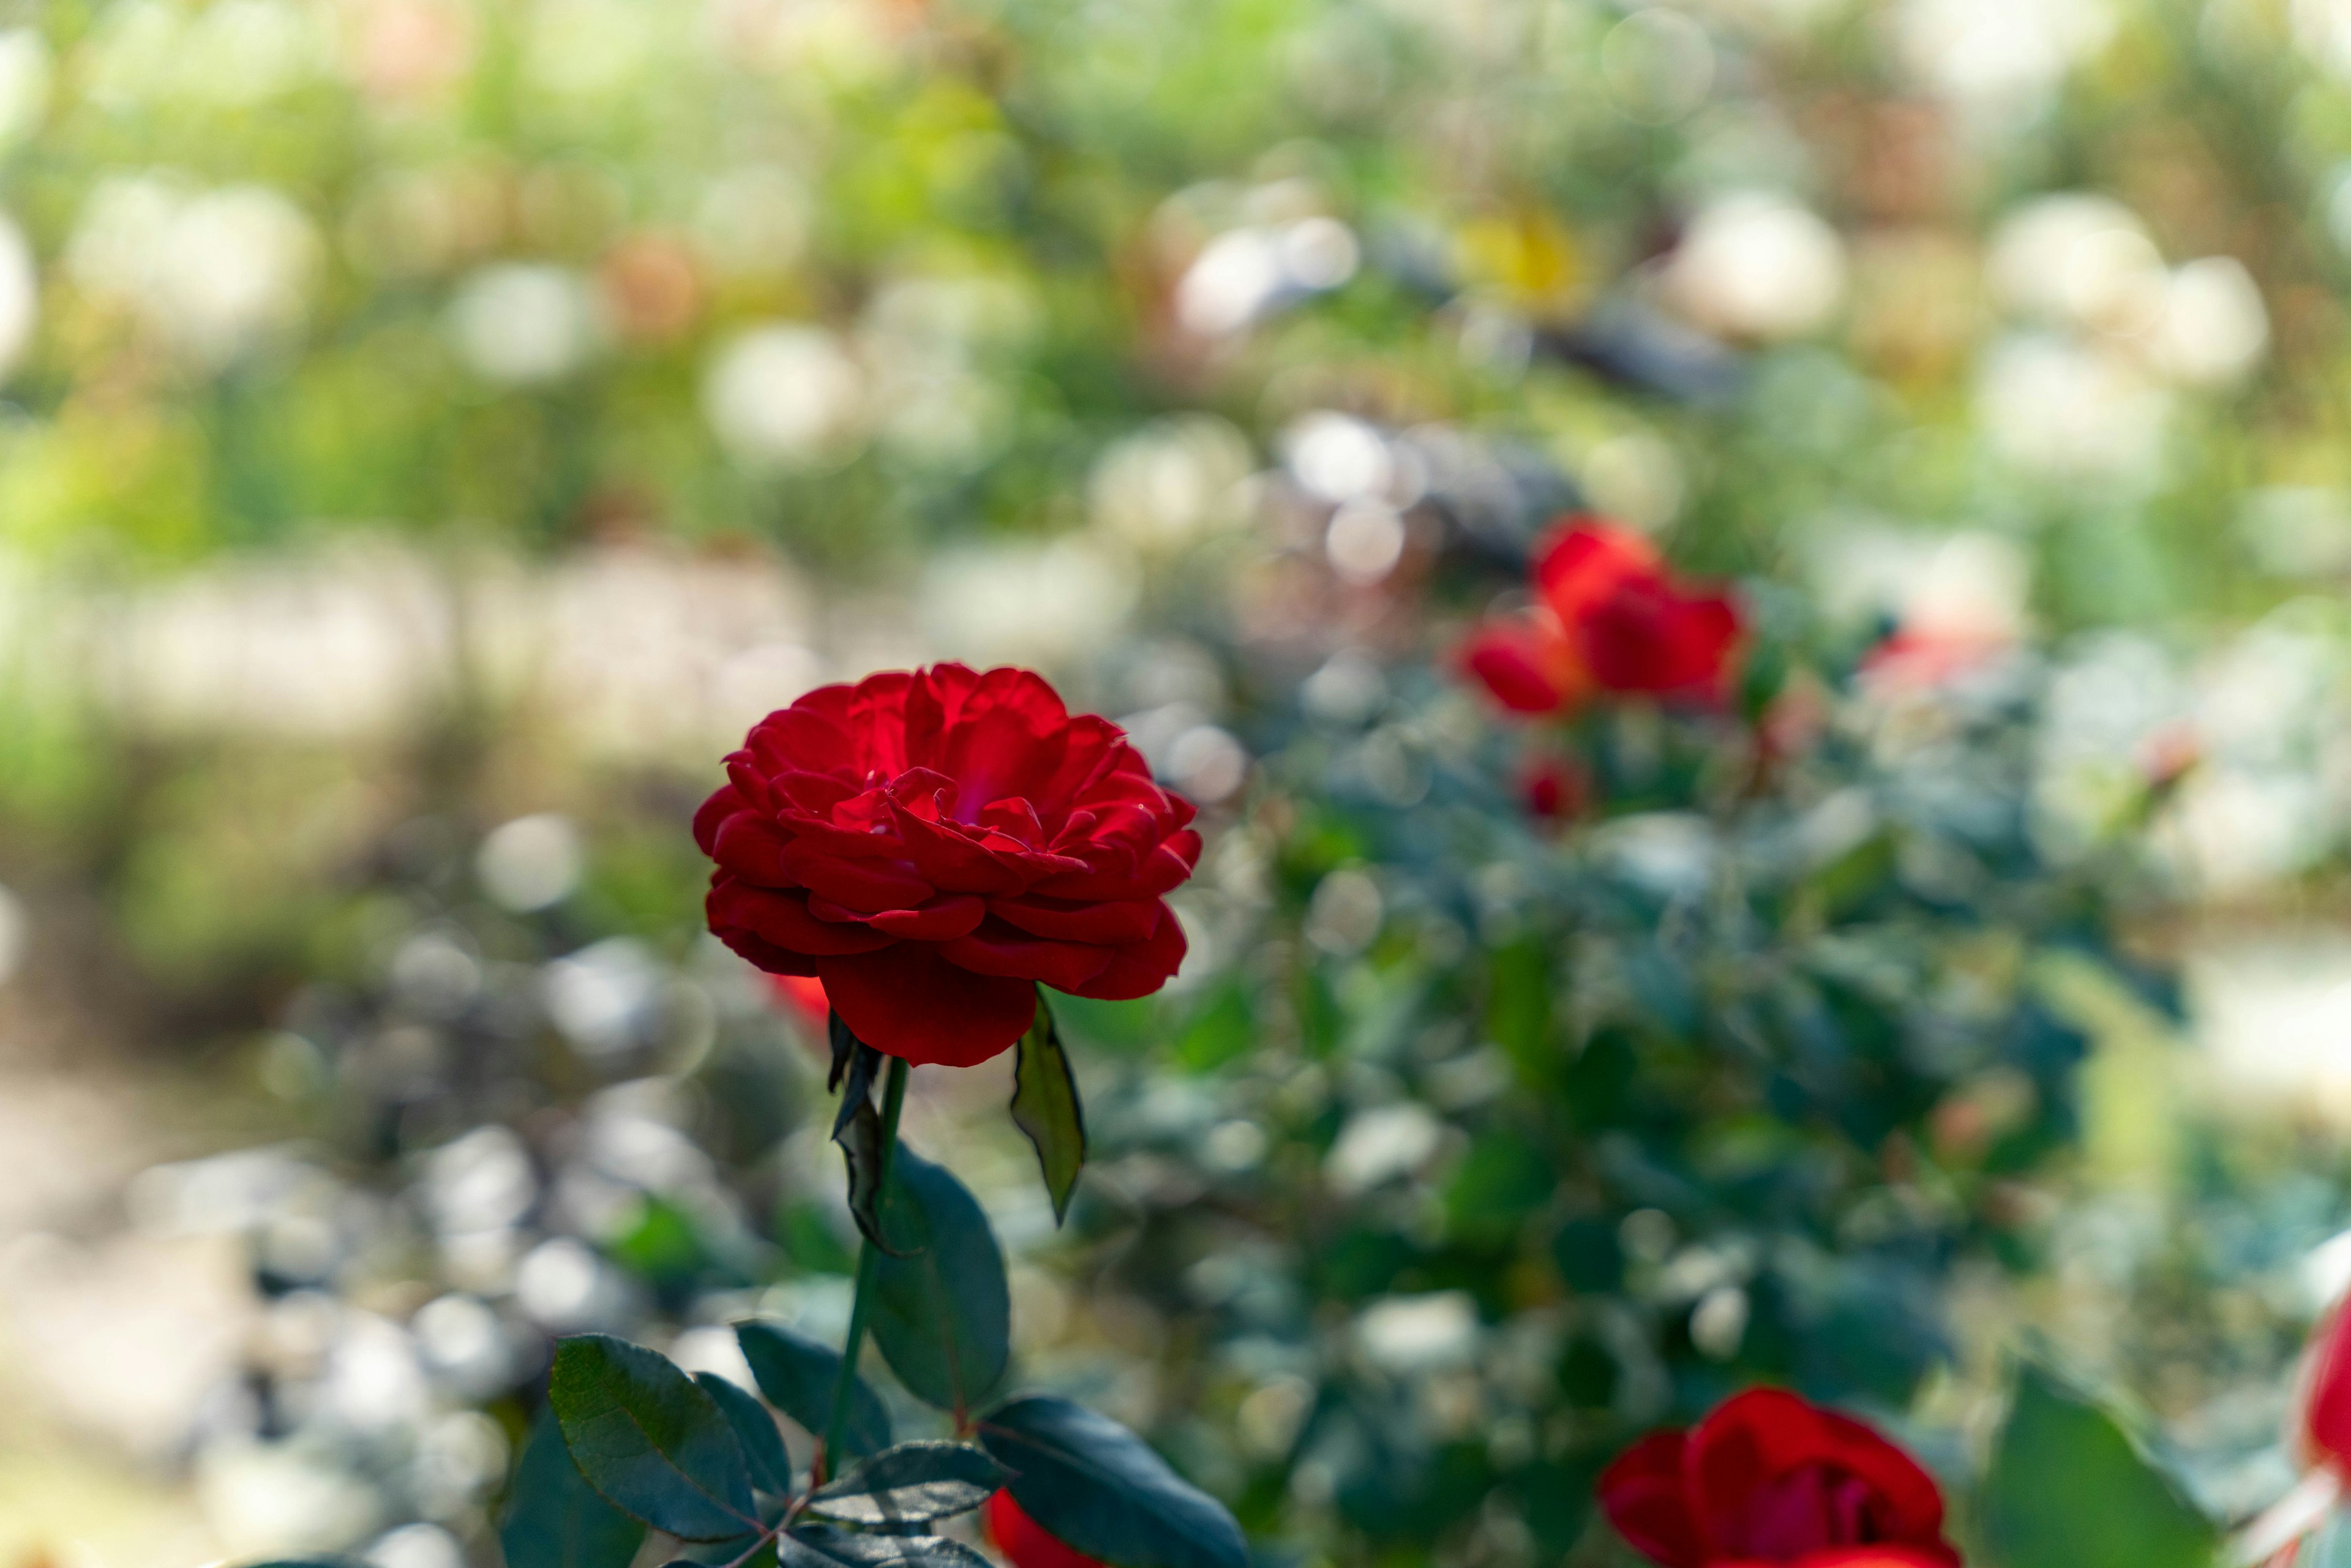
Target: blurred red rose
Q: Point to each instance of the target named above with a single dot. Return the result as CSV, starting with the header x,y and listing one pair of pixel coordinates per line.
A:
x,y
932,846
1613,619
1769,1477
1554,789
803,994
2325,1435
1024,1541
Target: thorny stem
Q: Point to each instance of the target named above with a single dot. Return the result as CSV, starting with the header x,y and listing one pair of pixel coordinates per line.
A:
x,y
869,1263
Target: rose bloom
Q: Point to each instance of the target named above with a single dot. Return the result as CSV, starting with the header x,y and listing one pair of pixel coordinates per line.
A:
x,y
1613,619
1025,1542
934,846
1770,1478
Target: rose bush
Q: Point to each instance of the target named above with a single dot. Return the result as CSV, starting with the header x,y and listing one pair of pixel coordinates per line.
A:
x,y
934,845
1612,619
1769,1477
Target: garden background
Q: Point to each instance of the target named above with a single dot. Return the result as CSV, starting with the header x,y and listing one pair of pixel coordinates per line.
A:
x,y
434,431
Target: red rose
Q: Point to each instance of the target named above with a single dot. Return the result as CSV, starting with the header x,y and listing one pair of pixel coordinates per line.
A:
x,y
1555,787
933,846
1024,1541
1769,1477
2325,1436
1612,620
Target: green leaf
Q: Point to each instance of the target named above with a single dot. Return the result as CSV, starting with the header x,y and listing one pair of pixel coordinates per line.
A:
x,y
763,1446
857,1130
822,1546
798,1374
2068,1489
1221,1030
1098,1487
554,1519
913,1483
650,1438
1045,1106
942,1314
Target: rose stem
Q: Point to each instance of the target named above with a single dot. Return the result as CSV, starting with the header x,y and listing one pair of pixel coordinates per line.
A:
x,y
869,1263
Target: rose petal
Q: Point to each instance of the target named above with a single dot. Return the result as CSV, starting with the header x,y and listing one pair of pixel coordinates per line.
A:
x,y
1103,922
724,802
753,848
1642,1494
1141,967
866,884
997,949
940,920
1027,1544
910,1002
1528,668
782,920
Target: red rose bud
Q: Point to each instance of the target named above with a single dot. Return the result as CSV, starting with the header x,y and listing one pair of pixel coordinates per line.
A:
x,y
1554,789
1025,1542
933,846
1770,1478
1613,619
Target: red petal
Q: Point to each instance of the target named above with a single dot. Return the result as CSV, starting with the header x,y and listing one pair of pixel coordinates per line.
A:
x,y
1642,1494
1522,666
1025,1542
874,717
2326,1414
763,953
782,920
953,862
798,739
1588,560
754,848
1104,921
910,1002
997,949
1139,968
940,920
1753,1439
723,803
866,884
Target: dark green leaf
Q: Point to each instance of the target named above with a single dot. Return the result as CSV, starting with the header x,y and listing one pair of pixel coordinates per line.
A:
x,y
913,1483
797,1375
942,1313
763,1446
822,1546
845,1046
650,1438
859,1133
1045,1106
1097,1486
2068,1489
554,1519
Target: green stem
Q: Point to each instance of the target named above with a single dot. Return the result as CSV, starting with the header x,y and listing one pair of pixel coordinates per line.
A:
x,y
869,1263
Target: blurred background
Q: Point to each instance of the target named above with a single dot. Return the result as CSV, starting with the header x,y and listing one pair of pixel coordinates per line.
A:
x,y
433,430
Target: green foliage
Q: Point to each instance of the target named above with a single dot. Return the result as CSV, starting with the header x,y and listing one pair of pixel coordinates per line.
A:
x,y
799,1374
942,1311
2069,1490
554,1519
650,1439
1046,1108
763,1444
1094,1485
822,1546
911,1484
